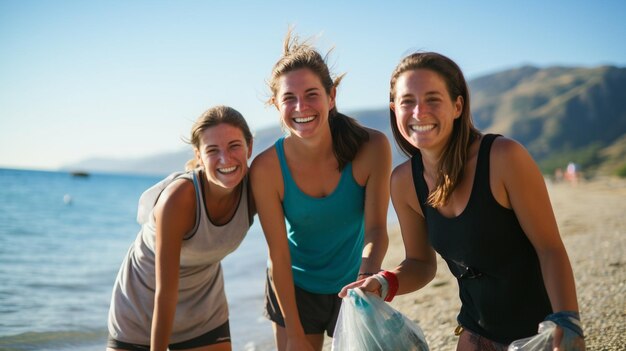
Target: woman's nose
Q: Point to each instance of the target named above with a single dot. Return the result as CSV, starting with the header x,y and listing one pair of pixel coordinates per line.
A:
x,y
224,156
418,110
300,105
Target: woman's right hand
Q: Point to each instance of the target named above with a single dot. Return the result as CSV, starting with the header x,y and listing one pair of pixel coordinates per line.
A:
x,y
369,284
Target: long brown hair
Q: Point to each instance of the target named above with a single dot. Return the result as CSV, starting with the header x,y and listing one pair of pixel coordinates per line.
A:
x,y
211,118
347,134
455,154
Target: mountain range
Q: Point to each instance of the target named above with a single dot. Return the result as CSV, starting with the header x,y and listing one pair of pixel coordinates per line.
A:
x,y
560,114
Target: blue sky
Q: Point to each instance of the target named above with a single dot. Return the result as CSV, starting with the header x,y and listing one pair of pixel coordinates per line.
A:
x,y
81,79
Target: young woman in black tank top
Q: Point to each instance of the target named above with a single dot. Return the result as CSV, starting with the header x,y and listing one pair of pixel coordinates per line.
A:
x,y
481,202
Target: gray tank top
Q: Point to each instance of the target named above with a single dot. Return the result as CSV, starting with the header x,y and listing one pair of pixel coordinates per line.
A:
x,y
201,303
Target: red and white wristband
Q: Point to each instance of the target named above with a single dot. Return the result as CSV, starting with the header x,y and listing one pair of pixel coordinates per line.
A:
x,y
388,284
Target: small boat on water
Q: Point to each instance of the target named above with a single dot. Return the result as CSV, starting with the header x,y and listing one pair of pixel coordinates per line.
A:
x,y
79,174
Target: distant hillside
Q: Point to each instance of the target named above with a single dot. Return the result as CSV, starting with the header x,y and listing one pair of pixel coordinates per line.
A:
x,y
158,164
560,114
162,164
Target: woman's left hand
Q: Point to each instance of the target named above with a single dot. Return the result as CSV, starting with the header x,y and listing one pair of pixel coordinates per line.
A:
x,y
567,340
368,284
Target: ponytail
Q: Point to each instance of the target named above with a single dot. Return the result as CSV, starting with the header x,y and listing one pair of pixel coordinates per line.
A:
x,y
348,136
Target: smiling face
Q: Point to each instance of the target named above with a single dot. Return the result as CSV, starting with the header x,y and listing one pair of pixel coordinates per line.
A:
x,y
303,102
224,155
424,111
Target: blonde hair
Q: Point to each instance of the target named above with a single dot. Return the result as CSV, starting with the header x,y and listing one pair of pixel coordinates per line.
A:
x,y
210,118
455,154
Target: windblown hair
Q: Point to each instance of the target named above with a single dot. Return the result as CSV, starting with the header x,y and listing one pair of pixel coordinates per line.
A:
x,y
347,134
212,117
455,154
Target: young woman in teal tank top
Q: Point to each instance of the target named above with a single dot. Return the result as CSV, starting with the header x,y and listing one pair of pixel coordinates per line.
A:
x,y
329,180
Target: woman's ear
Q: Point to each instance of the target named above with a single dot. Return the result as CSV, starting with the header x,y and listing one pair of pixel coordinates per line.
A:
x,y
332,95
250,148
196,152
458,106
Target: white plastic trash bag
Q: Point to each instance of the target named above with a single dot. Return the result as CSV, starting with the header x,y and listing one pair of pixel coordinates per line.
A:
x,y
367,323
540,342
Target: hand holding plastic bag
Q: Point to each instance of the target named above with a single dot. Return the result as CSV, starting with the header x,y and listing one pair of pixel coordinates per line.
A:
x,y
540,342
571,336
367,323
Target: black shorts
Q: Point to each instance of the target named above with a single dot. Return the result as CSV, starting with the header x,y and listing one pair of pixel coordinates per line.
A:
x,y
215,336
318,312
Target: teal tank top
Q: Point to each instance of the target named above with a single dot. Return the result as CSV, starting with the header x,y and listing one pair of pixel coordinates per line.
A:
x,y
325,234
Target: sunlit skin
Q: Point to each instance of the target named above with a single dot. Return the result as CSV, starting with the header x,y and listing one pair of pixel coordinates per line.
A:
x,y
425,116
425,113
303,102
304,106
223,153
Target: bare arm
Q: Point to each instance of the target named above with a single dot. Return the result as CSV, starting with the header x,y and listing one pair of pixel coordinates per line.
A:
x,y
175,216
420,265
266,181
526,191
376,240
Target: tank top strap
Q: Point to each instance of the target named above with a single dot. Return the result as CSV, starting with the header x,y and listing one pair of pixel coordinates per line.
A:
x,y
280,151
195,177
481,176
421,188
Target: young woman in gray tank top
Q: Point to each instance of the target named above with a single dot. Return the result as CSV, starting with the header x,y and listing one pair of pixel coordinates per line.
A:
x,y
169,292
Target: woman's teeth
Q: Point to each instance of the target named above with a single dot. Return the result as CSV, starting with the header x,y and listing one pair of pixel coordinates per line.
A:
x,y
227,170
304,119
422,128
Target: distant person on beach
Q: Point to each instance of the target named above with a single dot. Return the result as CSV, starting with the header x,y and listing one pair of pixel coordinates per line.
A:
x,y
572,173
480,201
329,179
169,291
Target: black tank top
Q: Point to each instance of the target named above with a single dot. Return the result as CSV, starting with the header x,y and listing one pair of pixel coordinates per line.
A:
x,y
500,283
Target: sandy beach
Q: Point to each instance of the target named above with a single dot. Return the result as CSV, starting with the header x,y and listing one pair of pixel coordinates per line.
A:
x,y
591,218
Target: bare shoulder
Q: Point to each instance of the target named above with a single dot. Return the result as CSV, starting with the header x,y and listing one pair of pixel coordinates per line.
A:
x,y
178,199
506,144
508,153
377,137
402,179
402,173
377,145
402,187
511,165
265,173
264,162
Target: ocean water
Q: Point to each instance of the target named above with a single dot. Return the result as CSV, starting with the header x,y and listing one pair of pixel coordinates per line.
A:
x,y
62,240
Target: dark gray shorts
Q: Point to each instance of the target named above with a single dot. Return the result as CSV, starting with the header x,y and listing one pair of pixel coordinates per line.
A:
x,y
215,336
318,312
